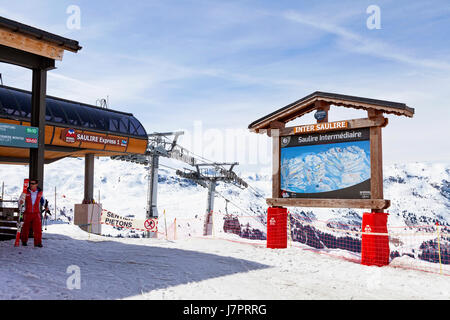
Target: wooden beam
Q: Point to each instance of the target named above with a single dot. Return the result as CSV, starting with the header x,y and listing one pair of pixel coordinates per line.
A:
x,y
377,204
367,106
276,125
376,156
13,160
39,89
352,124
374,114
25,59
376,163
276,179
28,44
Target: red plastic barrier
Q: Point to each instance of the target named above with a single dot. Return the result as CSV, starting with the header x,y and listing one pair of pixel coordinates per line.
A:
x,y
375,248
277,228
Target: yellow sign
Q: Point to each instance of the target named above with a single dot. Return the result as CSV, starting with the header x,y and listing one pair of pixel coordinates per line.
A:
x,y
326,126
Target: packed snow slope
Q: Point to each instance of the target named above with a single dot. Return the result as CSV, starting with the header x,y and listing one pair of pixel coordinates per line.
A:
x,y
205,268
140,268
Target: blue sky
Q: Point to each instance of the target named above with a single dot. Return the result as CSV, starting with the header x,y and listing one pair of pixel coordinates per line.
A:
x,y
227,63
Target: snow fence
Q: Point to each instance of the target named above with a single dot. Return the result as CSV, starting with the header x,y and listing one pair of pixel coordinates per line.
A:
x,y
424,247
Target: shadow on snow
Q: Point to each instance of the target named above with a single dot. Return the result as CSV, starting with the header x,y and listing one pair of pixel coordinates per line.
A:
x,y
108,269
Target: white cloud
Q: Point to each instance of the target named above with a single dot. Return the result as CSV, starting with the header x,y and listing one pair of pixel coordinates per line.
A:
x,y
357,43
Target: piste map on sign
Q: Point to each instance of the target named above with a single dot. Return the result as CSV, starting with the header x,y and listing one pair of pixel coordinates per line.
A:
x,y
322,168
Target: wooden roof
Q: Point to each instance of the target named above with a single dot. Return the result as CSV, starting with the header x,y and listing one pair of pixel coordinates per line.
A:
x,y
26,38
17,27
319,99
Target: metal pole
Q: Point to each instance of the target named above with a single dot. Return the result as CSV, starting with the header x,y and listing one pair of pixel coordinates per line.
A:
x,y
154,187
149,190
439,247
211,193
165,223
89,178
152,209
290,230
209,205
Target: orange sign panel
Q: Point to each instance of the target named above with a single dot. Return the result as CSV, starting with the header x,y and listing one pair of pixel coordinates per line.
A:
x,y
326,126
73,136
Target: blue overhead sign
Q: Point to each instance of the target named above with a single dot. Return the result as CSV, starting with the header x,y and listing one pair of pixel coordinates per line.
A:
x,y
12,135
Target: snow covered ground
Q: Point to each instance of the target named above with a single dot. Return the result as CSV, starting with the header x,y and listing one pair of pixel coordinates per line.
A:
x,y
195,268
208,268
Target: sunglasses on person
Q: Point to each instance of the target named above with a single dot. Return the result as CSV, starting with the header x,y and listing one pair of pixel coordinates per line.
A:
x,y
32,183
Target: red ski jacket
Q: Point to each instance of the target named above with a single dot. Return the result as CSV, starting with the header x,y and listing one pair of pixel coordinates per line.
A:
x,y
29,207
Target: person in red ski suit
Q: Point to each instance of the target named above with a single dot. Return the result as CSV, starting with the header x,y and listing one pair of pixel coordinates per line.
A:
x,y
34,199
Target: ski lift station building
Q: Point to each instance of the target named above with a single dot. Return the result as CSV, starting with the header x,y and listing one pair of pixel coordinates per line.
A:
x,y
36,129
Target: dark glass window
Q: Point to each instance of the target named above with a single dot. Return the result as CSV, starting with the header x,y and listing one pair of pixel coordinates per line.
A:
x,y
123,125
18,104
140,131
58,114
24,102
132,128
48,111
98,118
9,104
85,118
71,112
113,124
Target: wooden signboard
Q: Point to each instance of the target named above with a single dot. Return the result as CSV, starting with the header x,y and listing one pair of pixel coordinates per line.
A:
x,y
329,164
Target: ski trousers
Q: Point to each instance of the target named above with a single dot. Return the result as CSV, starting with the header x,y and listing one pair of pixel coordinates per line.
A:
x,y
32,220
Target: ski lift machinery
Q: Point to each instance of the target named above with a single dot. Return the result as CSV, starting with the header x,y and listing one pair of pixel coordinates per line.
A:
x,y
164,144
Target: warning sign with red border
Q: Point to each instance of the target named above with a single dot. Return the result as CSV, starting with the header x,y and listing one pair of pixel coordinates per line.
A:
x,y
112,219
